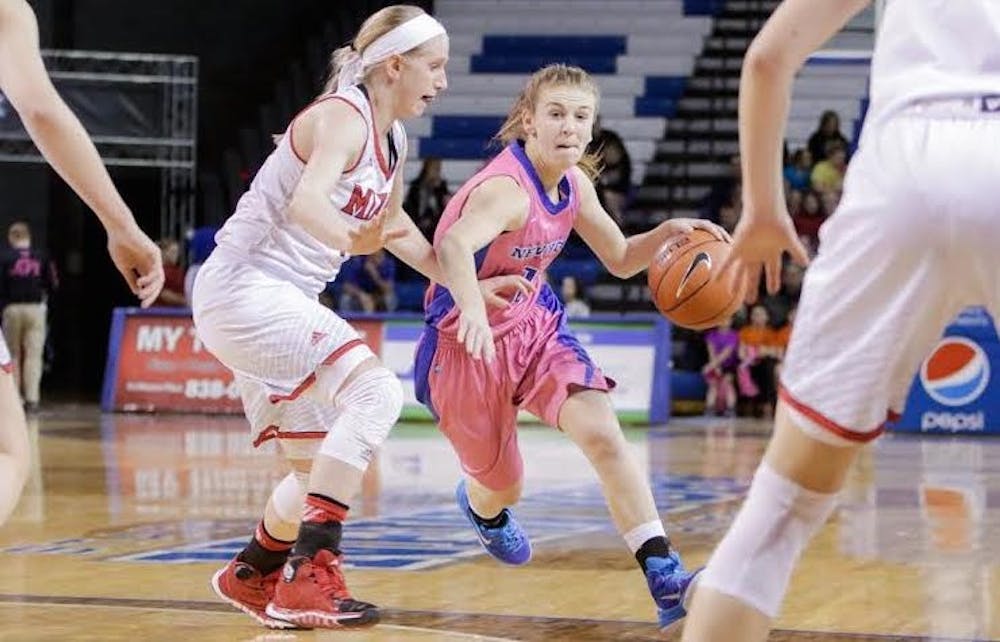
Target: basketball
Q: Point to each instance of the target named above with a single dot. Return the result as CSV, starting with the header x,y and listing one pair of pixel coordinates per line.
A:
x,y
685,284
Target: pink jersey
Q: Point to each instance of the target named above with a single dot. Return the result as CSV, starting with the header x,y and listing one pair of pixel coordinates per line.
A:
x,y
527,251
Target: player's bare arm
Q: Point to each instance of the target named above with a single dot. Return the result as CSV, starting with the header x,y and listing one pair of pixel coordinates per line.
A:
x,y
625,257
329,136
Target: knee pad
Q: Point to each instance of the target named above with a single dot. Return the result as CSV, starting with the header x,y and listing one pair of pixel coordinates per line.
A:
x,y
369,407
754,561
289,496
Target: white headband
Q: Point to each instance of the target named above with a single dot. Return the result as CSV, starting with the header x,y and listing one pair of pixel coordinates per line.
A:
x,y
409,35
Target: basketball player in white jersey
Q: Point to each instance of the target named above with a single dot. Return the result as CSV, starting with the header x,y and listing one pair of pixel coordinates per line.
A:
x,y
911,244
67,147
331,188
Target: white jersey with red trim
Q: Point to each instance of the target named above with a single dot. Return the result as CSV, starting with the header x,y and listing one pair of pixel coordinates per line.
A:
x,y
260,232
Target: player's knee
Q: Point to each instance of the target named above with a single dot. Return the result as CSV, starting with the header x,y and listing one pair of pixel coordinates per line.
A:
x,y
376,398
777,520
370,406
602,443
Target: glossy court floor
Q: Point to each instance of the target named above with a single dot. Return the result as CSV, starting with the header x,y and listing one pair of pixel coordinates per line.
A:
x,y
126,518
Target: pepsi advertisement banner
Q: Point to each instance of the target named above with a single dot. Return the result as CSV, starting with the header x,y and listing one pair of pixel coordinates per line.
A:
x,y
957,389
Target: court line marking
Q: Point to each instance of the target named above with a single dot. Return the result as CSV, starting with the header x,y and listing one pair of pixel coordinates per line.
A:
x,y
218,607
458,634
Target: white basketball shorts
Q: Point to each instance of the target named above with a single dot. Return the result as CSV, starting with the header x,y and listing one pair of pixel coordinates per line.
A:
x,y
913,242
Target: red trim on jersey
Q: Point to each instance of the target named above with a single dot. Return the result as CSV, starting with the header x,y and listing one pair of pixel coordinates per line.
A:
x,y
311,379
382,164
7,367
828,424
275,432
291,140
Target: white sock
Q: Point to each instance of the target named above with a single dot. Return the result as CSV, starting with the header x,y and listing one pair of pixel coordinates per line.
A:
x,y
642,533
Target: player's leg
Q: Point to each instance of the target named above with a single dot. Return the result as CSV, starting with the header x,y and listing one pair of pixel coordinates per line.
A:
x,y
472,401
14,328
368,399
859,338
14,444
34,349
590,421
565,389
248,580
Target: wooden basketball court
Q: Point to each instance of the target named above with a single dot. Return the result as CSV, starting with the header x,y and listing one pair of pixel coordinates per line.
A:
x,y
126,518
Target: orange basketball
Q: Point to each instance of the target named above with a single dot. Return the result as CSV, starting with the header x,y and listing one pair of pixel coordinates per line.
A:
x,y
685,283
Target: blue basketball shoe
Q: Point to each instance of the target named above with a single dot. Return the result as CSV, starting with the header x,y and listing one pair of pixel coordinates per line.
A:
x,y
670,585
508,543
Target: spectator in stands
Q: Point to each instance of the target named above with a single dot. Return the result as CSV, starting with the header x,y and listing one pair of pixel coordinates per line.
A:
x,y
723,345
615,180
27,278
779,304
809,217
784,334
758,353
573,302
368,283
172,294
729,216
828,175
798,173
826,135
781,338
793,200
726,190
200,244
831,199
427,196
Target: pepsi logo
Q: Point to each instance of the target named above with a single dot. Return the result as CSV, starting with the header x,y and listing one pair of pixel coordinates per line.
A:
x,y
956,373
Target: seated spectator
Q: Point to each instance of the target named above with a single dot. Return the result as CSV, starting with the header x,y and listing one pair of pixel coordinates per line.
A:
x,y
427,196
809,217
828,175
729,216
172,294
201,242
574,305
615,180
799,172
787,297
826,135
368,283
722,344
781,338
831,199
725,190
758,355
793,200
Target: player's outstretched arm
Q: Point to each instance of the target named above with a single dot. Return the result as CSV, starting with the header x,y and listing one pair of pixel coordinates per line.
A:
x,y
794,31
67,147
626,257
497,205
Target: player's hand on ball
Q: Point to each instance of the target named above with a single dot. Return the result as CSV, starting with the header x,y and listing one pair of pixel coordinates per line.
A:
x,y
685,225
498,291
758,245
475,334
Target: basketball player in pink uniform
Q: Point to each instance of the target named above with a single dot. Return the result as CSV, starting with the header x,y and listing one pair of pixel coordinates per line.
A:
x,y
67,147
476,368
331,188
913,242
